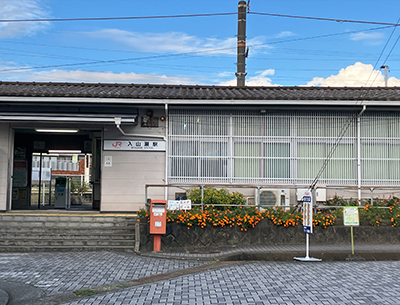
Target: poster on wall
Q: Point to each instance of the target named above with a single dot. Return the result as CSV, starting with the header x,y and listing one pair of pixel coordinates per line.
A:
x,y
20,153
147,145
20,174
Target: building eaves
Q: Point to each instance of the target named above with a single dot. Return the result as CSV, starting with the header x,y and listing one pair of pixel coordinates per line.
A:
x,y
184,92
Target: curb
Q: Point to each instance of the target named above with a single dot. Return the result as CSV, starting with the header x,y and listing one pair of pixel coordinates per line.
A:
x,y
377,252
4,297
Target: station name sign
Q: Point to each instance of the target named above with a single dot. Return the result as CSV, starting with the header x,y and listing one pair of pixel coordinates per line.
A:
x,y
123,145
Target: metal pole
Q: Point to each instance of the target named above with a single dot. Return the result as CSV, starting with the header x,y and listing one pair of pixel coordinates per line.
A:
x,y
44,193
386,74
40,179
202,197
145,196
166,151
51,178
359,159
359,153
372,196
352,240
241,45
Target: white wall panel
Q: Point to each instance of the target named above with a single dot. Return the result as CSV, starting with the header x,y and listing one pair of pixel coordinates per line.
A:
x,y
4,157
123,183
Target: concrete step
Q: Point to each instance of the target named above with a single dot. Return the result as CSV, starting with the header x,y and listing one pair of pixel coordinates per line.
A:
x,y
67,220
62,232
65,225
63,248
67,230
66,242
75,235
97,217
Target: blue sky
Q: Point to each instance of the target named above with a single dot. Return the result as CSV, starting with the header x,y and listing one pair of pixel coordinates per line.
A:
x,y
200,50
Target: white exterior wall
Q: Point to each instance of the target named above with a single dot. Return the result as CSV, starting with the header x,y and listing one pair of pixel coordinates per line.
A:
x,y
123,183
4,164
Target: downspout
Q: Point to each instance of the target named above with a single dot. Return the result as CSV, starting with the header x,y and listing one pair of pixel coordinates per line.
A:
x,y
359,153
166,151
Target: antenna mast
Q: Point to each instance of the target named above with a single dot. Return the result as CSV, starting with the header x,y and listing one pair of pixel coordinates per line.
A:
x,y
386,74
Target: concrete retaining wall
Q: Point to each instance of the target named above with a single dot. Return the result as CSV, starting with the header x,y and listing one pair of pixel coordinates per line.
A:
x,y
179,237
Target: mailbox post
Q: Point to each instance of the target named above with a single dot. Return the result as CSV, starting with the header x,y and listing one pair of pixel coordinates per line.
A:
x,y
158,221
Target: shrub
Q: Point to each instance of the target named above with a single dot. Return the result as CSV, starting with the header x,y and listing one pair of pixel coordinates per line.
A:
x,y
340,201
220,199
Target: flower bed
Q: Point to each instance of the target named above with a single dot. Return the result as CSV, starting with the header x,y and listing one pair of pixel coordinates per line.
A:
x,y
381,211
244,218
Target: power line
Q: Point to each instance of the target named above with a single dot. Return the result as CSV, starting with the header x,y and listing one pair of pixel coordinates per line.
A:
x,y
116,18
187,53
352,117
113,60
197,15
326,19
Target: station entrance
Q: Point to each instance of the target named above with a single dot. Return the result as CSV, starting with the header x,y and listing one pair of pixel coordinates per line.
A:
x,y
56,168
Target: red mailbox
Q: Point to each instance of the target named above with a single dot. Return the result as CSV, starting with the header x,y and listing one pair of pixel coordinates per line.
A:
x,y
158,221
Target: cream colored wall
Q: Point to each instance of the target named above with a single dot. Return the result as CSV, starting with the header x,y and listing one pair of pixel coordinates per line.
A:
x,y
123,183
4,164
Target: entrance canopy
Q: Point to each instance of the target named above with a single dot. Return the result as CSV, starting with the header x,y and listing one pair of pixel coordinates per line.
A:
x,y
67,112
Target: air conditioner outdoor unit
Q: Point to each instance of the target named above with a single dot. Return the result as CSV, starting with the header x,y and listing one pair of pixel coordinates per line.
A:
x,y
273,197
251,201
320,194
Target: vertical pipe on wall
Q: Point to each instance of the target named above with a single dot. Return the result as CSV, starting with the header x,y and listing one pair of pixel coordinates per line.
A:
x,y
359,159
166,151
359,154
230,153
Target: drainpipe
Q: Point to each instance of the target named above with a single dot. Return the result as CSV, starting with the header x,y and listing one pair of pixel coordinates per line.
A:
x,y
359,153
166,151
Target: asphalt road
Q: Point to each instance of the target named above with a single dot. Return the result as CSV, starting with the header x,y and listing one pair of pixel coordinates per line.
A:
x,y
123,278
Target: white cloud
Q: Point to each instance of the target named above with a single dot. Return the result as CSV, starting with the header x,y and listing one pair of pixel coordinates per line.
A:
x,y
21,9
259,79
108,77
357,75
285,34
369,38
172,42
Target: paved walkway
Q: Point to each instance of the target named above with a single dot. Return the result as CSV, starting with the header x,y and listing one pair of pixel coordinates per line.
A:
x,y
199,278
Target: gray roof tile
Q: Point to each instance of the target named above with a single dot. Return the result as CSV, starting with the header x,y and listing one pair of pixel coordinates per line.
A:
x,y
136,91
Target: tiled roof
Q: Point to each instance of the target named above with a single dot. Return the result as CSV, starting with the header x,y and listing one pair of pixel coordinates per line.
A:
x,y
135,91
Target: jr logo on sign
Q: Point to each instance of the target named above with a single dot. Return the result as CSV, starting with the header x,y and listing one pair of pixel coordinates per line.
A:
x,y
117,144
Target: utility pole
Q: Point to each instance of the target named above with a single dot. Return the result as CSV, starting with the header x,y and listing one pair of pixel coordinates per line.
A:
x,y
386,74
241,45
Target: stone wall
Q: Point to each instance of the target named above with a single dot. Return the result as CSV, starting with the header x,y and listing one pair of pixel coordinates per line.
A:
x,y
180,238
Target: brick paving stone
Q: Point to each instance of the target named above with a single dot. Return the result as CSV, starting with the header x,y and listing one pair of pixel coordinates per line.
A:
x,y
342,283
57,272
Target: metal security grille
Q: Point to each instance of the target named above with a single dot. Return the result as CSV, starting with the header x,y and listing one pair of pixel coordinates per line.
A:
x,y
380,147
281,148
